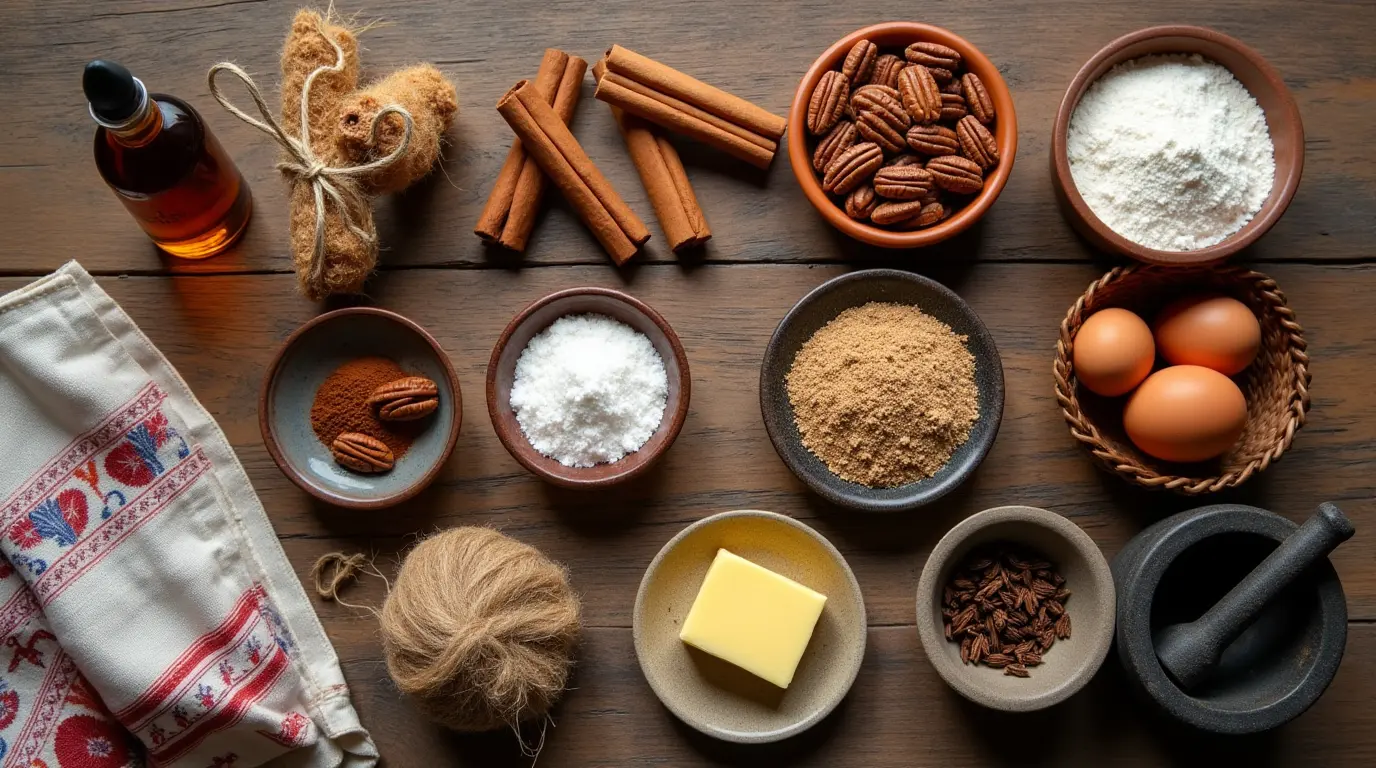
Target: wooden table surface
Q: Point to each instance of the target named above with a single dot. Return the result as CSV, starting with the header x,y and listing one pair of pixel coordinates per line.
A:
x,y
219,322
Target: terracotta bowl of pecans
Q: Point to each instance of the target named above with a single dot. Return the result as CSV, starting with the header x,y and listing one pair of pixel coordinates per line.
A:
x,y
902,134
1016,608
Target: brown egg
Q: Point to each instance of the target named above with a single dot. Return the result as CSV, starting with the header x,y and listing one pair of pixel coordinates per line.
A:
x,y
1114,352
1214,331
1186,413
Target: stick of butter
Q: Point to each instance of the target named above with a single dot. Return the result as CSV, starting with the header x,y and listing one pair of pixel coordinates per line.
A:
x,y
753,618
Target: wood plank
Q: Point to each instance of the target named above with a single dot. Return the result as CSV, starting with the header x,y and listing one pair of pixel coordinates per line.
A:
x,y
48,177
898,714
220,332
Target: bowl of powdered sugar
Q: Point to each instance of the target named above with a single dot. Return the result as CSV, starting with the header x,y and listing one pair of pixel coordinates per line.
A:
x,y
588,387
1176,145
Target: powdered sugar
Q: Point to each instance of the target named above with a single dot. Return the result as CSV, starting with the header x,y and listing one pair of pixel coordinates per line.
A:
x,y
1171,152
589,390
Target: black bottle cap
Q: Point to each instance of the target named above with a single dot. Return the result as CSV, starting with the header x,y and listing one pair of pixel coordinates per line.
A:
x,y
113,92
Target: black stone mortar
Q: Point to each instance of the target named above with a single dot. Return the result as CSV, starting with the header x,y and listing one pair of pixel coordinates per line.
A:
x,y
1177,569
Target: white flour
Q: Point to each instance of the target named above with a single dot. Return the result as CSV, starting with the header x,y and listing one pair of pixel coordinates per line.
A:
x,y
1171,152
588,390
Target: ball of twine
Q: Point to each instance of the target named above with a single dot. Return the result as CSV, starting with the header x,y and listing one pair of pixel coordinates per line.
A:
x,y
479,629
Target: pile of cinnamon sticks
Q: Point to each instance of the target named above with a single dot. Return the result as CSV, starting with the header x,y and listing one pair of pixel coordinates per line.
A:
x,y
646,98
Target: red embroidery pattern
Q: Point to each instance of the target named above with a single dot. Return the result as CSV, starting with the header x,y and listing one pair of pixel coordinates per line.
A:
x,y
292,732
193,663
38,729
80,451
84,741
17,611
74,562
251,692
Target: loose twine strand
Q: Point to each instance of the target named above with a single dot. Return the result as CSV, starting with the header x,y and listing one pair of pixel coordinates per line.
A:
x,y
335,569
302,165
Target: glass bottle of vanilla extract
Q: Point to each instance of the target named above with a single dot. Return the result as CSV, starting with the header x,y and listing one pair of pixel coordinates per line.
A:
x,y
165,165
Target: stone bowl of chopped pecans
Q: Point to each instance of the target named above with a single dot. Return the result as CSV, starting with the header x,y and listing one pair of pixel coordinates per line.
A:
x,y
1015,608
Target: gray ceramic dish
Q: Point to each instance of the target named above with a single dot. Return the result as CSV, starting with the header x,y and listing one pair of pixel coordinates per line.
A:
x,y
817,309
718,698
307,358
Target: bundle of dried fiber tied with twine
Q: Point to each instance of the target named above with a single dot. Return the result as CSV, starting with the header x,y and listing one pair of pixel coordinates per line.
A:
x,y
478,629
344,146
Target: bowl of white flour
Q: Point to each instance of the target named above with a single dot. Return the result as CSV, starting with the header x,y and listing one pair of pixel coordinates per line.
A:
x,y
1176,145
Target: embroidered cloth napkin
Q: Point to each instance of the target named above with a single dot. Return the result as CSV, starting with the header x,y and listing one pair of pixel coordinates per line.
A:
x,y
142,589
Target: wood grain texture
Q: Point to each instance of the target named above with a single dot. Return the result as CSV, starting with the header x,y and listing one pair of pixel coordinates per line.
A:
x,y
1324,55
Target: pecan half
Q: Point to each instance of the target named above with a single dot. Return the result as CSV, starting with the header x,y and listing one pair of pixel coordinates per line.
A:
x,y
852,167
834,143
902,182
362,453
920,94
930,214
859,63
828,102
860,202
892,213
977,98
957,174
886,69
880,118
408,399
933,140
952,107
977,143
933,55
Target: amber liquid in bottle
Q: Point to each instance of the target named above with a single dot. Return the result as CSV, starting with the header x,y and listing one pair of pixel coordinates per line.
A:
x,y
167,168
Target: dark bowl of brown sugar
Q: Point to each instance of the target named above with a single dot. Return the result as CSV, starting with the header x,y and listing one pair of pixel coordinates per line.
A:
x,y
888,470
317,386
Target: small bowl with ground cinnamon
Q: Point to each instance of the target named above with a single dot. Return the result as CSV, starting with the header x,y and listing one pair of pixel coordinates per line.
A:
x,y
360,408
882,390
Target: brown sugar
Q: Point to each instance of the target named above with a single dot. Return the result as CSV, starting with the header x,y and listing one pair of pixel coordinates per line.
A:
x,y
884,394
341,404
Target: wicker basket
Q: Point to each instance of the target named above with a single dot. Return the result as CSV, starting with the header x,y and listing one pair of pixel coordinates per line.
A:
x,y
1276,385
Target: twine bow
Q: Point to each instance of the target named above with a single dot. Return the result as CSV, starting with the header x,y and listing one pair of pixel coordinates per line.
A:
x,y
302,165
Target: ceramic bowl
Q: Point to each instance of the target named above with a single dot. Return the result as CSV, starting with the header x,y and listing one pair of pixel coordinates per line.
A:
x,y
816,310
718,698
1259,77
501,372
1071,662
899,35
303,363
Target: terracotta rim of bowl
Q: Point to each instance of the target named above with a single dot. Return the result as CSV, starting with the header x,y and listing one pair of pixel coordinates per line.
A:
x,y
1271,211
522,451
266,407
1006,134
934,640
857,594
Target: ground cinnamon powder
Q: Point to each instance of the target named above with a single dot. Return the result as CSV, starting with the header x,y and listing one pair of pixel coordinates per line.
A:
x,y
884,394
341,404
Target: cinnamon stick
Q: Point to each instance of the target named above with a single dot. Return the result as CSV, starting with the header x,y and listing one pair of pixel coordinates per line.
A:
x,y
548,141
669,98
511,208
662,173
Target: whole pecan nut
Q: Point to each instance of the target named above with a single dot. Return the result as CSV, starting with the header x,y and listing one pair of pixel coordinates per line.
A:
x,y
828,102
860,202
920,93
894,212
902,182
977,98
362,453
841,138
852,167
930,214
933,56
407,399
859,63
977,143
933,140
957,174
952,107
886,69
880,118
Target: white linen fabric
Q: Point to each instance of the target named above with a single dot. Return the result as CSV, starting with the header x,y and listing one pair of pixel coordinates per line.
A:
x,y
143,591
